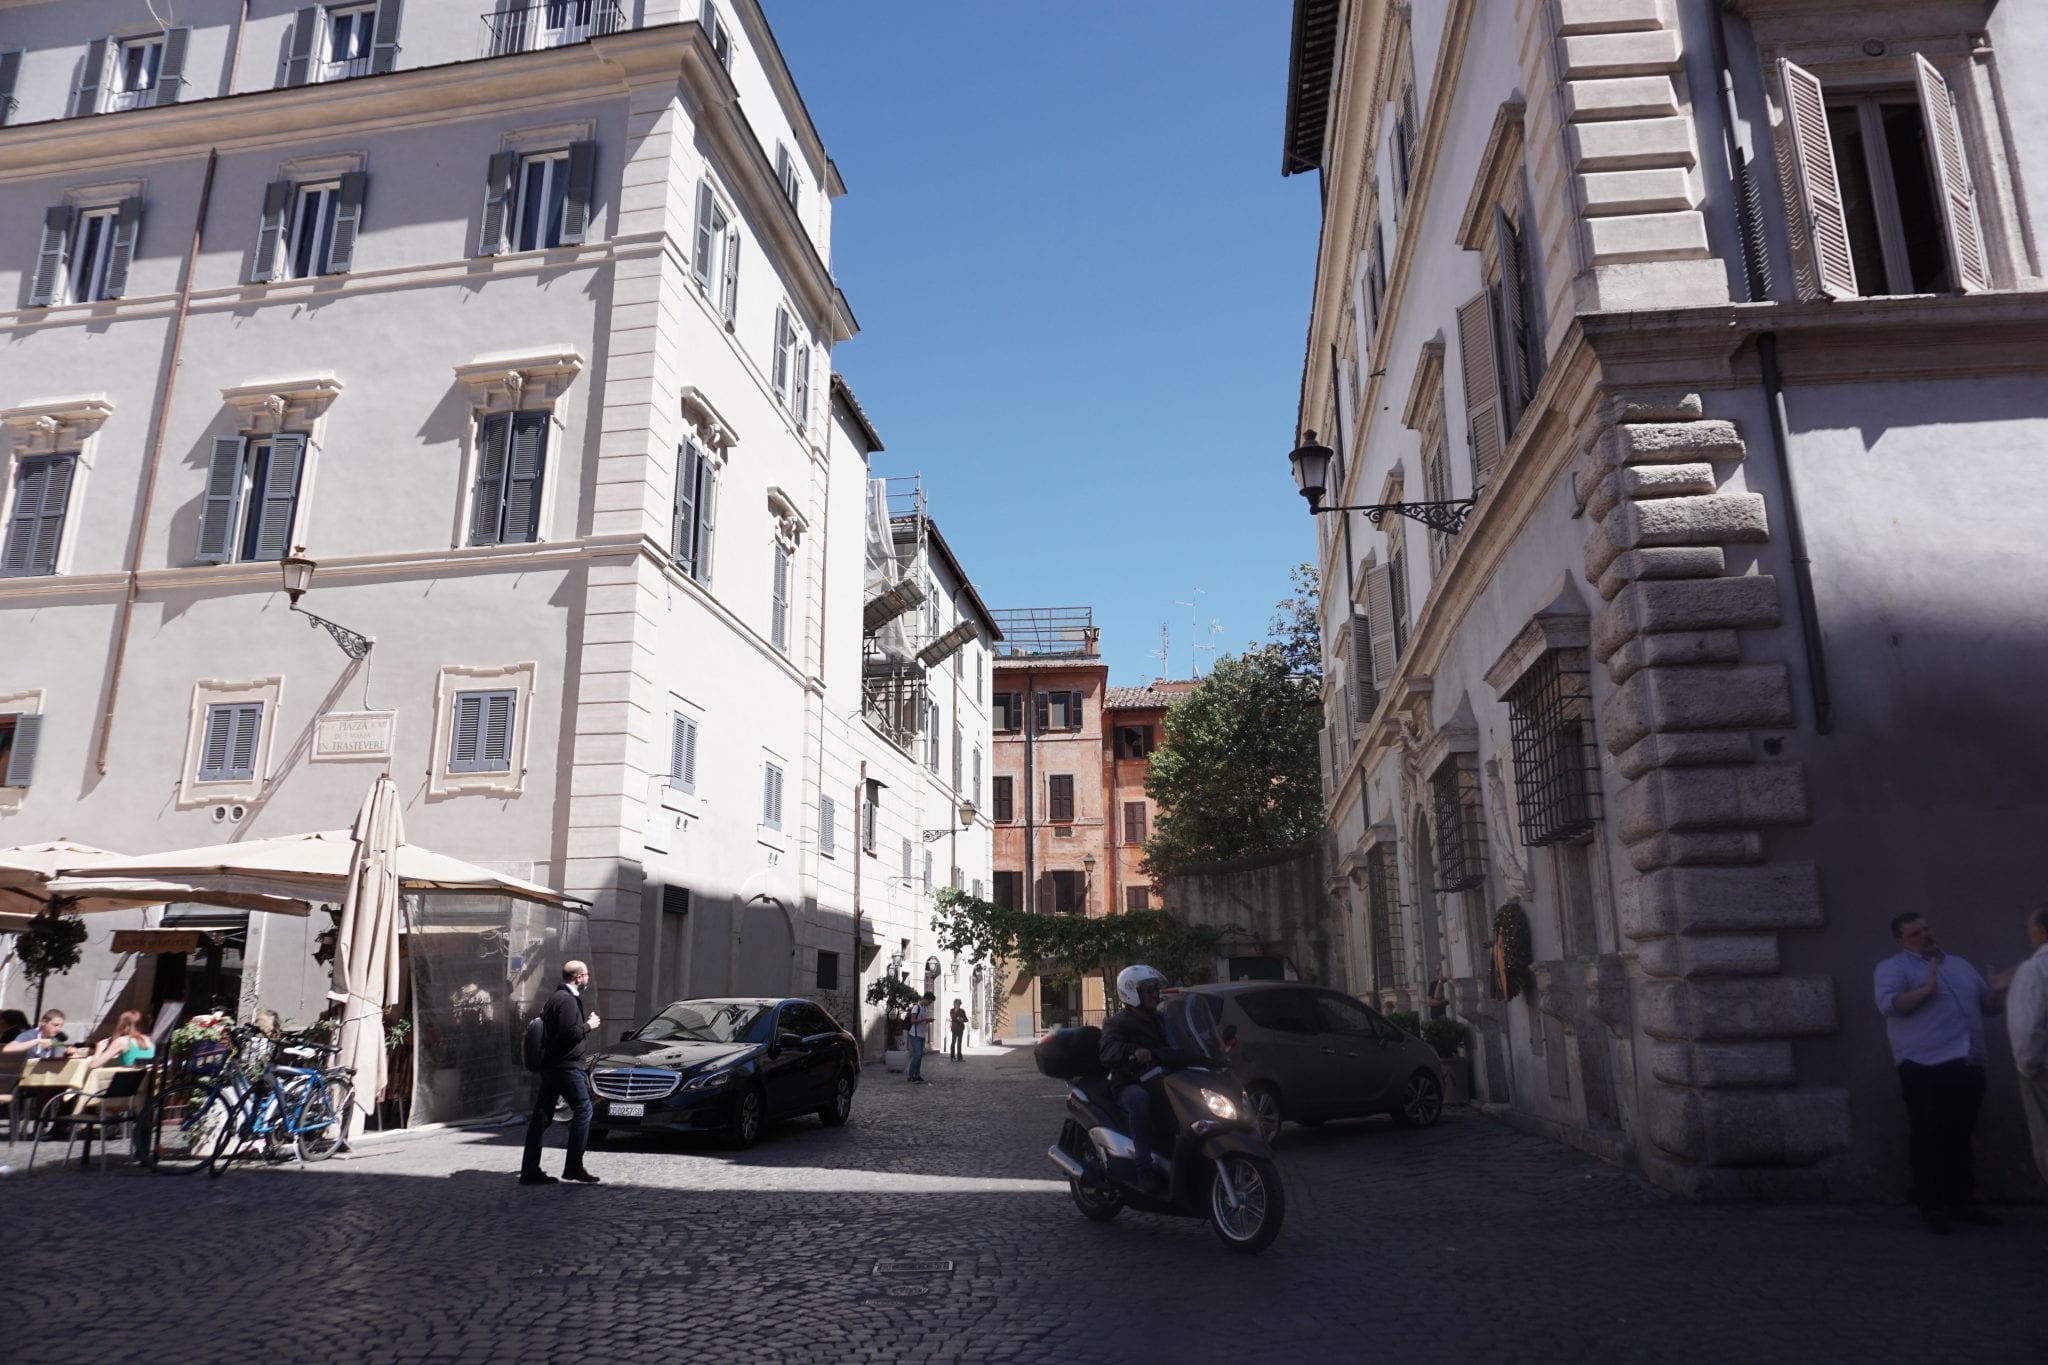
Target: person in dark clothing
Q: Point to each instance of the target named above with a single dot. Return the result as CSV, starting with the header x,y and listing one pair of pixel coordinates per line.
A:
x,y
958,1019
1133,1043
565,1026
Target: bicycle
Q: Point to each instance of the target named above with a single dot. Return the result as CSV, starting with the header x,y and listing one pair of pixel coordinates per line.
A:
x,y
181,1125
307,1105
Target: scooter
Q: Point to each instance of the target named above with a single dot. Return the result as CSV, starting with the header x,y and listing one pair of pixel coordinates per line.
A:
x,y
1215,1165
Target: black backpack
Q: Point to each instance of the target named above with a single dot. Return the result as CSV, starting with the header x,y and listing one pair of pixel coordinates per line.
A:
x,y
533,1046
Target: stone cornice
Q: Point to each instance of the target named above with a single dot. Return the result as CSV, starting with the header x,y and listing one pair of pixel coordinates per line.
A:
x,y
1499,165
1429,377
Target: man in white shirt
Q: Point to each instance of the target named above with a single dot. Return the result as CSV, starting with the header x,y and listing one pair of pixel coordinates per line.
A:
x,y
2026,1016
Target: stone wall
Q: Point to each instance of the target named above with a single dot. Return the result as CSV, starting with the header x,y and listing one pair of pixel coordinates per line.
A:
x,y
1279,905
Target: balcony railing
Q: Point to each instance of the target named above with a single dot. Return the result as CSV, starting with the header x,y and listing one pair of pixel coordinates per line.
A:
x,y
557,23
118,101
342,69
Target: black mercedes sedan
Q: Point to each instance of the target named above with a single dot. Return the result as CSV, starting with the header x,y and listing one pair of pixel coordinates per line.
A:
x,y
725,1067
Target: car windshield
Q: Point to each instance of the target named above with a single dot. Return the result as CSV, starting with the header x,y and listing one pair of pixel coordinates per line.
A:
x,y
705,1021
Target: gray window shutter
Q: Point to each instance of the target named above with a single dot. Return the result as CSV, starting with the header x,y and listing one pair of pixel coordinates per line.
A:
x,y
1379,607
524,468
802,407
52,256
248,725
214,744
783,334
576,200
170,71
277,202
496,748
707,235
384,46
1820,188
487,503
771,799
906,858
220,512
277,500
1482,386
677,722
1958,204
42,491
778,631
497,199
305,32
683,515
707,498
465,734
91,77
689,768
348,218
1364,697
28,738
828,816
10,72
1073,710
729,298
1531,303
121,251
1514,314
1044,709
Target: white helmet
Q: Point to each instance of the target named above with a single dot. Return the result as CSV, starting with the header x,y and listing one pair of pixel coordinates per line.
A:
x,y
1132,979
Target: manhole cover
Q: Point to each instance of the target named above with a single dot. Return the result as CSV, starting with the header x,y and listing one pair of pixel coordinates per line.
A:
x,y
908,1291
905,1267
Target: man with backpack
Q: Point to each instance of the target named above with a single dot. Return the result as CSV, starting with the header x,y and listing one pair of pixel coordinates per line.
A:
x,y
563,1027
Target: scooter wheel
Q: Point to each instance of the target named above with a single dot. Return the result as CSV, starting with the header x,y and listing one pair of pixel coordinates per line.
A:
x,y
1096,1205
1247,1214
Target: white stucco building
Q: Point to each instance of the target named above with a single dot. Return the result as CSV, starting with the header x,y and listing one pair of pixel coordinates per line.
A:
x,y
518,324
1727,313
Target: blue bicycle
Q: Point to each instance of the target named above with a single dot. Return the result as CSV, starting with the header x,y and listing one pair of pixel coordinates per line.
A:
x,y
181,1126
288,1108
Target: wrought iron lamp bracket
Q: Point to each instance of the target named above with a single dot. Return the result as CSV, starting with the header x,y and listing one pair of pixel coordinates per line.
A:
x,y
356,646
1447,517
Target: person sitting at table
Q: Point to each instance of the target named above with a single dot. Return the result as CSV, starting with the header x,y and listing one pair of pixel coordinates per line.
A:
x,y
128,1046
45,1040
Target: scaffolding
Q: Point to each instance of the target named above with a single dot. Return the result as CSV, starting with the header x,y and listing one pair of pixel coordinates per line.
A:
x,y
895,695
1045,632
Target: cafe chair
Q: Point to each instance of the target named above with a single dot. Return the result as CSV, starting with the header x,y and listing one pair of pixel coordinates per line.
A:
x,y
117,1100
12,1064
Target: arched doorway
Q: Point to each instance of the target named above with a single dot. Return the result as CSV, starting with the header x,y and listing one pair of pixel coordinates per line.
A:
x,y
766,944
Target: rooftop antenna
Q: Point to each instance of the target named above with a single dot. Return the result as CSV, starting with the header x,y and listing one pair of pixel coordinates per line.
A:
x,y
1215,629
1193,670
1165,652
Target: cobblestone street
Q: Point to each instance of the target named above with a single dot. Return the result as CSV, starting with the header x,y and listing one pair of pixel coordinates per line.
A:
x,y
1465,1242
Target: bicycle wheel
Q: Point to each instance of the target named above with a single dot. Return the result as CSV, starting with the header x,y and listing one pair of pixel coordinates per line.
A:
x,y
237,1136
323,1124
181,1127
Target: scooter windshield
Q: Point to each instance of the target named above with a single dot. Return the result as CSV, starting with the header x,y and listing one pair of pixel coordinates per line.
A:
x,y
1192,1026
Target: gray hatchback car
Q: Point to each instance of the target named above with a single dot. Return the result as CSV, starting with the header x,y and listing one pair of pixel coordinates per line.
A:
x,y
1307,1054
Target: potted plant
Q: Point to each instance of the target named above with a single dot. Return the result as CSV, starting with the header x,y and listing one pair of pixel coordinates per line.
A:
x,y
896,997
202,1042
1449,1037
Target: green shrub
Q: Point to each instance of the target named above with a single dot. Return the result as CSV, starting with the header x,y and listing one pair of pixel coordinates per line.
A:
x,y
1408,1021
1447,1036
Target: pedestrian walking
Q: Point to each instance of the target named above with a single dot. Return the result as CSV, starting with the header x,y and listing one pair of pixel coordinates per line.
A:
x,y
2026,1018
1934,1005
920,1030
564,1026
958,1018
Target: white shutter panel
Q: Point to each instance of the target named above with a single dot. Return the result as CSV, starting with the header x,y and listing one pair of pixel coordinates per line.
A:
x,y
1958,204
497,199
51,256
828,819
688,766
1482,386
676,721
1379,607
219,512
783,333
28,738
270,235
1820,189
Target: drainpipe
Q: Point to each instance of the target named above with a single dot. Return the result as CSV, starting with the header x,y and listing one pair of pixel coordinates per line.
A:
x,y
860,792
156,455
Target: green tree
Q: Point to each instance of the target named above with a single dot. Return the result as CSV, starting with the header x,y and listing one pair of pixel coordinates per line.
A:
x,y
1236,773
50,945
982,931
1297,628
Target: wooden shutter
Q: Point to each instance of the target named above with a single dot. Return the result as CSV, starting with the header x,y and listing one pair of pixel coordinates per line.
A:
x,y
1044,700
682,752
170,71
771,800
778,630
298,64
121,251
384,46
1482,386
497,198
525,467
1952,171
1364,696
270,235
221,509
494,751
487,502
729,296
277,500
707,235
21,762
784,334
10,72
683,515
1820,188
465,733
214,744
42,494
248,726
1515,314
1379,609
348,217
1073,710
802,407
1530,301
828,820
52,256
91,77
576,200
707,498
1134,822
906,858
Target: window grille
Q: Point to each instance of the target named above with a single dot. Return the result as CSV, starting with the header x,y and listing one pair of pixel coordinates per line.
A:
x,y
1383,897
1460,834
1556,771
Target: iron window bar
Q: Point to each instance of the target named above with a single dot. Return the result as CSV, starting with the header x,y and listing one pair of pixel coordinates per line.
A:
x,y
1551,723
1383,896
1460,835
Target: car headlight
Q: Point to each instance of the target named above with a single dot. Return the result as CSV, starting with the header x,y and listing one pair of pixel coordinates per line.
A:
x,y
709,1079
1222,1106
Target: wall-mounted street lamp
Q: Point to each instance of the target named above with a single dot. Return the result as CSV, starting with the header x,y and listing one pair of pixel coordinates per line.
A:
x,y
1311,463
967,812
298,577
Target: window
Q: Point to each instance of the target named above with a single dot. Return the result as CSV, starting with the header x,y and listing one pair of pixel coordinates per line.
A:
x,y
1137,898
361,38
537,200
975,790
1134,741
904,873
1009,890
21,735
787,176
309,230
805,1020
1460,827
828,826
1397,581
512,450
137,63
792,370
718,33
480,740
927,869
1134,822
1059,711
228,753
771,795
715,259
1346,1017
1282,1011
252,497
977,884
1500,345
1003,796
1404,139
349,42
85,254
778,625
1061,893
828,971
1550,713
682,753
931,735
695,505
871,817
1383,904
1436,487
35,523
959,758
131,73
1884,185
1059,798
1008,711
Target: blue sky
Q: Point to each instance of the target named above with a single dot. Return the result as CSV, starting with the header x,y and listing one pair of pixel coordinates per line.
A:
x,y
1083,288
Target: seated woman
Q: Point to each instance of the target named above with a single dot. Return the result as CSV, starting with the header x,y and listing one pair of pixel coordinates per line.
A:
x,y
128,1046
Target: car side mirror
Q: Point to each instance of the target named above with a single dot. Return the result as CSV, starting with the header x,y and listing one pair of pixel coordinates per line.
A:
x,y
1230,1033
626,1035
788,1039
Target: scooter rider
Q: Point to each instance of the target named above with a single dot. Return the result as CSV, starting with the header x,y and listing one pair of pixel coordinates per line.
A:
x,y
1133,1043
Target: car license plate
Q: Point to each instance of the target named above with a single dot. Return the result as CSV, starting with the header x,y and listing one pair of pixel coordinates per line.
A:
x,y
625,1111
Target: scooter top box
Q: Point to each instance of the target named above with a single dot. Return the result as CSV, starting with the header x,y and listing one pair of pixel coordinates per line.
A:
x,y
1068,1054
